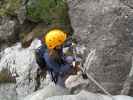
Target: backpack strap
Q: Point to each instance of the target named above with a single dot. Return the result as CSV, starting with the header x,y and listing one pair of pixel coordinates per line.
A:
x,y
54,77
39,57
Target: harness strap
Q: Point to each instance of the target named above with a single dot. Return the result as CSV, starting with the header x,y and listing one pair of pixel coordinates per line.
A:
x,y
54,77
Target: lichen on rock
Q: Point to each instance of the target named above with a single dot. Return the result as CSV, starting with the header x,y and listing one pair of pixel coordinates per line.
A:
x,y
9,7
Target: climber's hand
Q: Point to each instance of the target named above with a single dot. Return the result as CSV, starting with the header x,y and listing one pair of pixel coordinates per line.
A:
x,y
76,67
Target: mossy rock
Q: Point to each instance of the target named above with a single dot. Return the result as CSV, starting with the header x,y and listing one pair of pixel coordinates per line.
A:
x,y
9,7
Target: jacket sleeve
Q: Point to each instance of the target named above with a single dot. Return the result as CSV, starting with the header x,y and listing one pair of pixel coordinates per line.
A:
x,y
65,68
51,64
39,57
54,66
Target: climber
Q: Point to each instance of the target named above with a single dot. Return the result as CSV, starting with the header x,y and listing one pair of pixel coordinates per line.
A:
x,y
50,57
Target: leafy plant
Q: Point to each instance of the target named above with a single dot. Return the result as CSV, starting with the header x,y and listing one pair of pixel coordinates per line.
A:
x,y
49,11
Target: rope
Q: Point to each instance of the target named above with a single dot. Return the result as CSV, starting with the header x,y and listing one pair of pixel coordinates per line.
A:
x,y
101,87
87,62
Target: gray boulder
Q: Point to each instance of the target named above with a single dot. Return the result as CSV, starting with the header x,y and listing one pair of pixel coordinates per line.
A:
x,y
8,34
7,91
21,63
46,92
84,95
106,25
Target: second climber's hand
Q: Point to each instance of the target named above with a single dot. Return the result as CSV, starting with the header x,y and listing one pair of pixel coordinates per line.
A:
x,y
76,67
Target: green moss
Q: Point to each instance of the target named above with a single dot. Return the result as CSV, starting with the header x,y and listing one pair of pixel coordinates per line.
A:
x,y
49,11
9,7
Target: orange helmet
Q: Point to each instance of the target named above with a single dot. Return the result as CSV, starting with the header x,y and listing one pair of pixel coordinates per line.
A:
x,y
55,37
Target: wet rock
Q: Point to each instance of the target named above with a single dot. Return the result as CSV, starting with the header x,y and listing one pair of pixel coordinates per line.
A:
x,y
106,26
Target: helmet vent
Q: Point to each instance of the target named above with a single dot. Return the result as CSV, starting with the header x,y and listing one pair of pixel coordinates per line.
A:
x,y
59,40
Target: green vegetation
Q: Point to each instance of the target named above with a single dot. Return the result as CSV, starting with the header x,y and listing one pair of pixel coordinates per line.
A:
x,y
49,11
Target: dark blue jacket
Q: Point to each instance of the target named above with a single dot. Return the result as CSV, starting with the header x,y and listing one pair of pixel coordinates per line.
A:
x,y
52,65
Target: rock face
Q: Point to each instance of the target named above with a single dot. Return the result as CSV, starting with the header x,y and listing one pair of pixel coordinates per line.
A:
x,y
7,31
57,93
7,91
84,95
47,92
21,63
106,25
